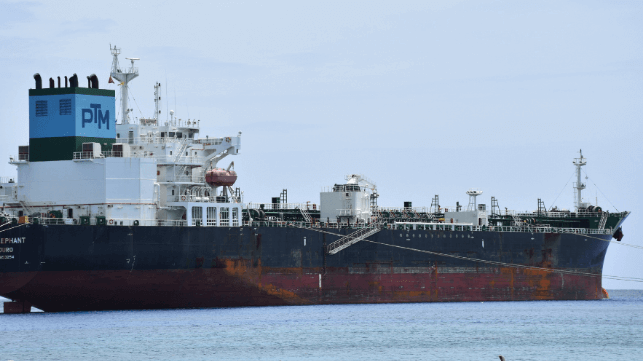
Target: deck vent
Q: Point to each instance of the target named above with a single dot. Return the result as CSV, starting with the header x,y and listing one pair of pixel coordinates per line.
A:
x,y
65,106
41,108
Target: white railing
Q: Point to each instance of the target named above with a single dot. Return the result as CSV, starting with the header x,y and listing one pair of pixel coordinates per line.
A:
x,y
278,206
402,209
145,139
472,228
160,158
555,214
86,155
21,158
195,198
132,69
429,226
183,178
7,179
209,141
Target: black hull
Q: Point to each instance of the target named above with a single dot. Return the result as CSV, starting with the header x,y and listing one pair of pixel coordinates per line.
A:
x,y
70,267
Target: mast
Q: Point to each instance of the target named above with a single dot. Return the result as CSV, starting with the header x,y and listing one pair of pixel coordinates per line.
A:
x,y
124,75
578,185
473,204
157,100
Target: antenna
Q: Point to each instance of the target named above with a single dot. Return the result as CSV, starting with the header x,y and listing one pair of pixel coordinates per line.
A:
x,y
157,100
124,75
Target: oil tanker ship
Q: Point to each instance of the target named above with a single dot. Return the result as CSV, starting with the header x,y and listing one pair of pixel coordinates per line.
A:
x,y
142,214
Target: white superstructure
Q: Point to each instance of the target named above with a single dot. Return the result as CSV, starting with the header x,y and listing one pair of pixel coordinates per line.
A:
x,y
350,202
154,174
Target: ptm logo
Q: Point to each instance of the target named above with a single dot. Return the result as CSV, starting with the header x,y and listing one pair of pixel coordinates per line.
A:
x,y
95,116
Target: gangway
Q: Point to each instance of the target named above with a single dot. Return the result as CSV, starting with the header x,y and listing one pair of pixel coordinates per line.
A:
x,y
350,239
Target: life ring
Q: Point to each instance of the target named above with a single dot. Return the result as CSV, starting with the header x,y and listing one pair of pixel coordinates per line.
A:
x,y
227,139
182,198
111,221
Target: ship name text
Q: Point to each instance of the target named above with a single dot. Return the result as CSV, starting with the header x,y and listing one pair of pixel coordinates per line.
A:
x,y
12,240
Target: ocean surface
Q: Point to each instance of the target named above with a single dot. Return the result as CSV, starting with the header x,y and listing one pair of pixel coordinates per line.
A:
x,y
609,329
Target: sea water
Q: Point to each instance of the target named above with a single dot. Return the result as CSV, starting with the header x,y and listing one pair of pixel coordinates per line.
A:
x,y
542,330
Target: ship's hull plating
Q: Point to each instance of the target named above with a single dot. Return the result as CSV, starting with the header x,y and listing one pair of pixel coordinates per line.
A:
x,y
70,268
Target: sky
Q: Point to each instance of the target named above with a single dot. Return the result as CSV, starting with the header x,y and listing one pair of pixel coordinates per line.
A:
x,y
422,97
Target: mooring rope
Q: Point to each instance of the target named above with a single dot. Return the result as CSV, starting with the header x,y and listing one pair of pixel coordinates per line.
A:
x,y
497,263
505,264
8,229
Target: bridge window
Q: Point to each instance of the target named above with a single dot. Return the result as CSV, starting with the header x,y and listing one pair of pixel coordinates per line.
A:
x,y
197,214
225,216
235,217
211,216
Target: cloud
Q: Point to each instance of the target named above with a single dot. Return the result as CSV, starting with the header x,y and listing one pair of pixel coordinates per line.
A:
x,y
16,13
86,26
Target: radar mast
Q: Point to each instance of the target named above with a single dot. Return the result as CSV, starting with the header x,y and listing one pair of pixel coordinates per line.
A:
x,y
124,75
578,185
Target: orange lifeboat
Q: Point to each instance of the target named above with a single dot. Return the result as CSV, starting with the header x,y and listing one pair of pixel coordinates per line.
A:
x,y
219,177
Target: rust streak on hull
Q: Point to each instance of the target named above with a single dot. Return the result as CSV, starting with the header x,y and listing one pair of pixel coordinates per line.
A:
x,y
241,284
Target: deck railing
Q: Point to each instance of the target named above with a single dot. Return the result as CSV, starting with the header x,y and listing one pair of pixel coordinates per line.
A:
x,y
446,227
278,206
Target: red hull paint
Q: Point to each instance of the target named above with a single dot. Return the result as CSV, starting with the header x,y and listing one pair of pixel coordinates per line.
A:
x,y
238,284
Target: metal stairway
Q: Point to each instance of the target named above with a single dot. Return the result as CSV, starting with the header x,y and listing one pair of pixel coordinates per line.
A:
x,y
180,175
350,239
304,212
517,221
601,224
184,147
27,209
